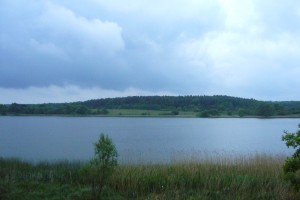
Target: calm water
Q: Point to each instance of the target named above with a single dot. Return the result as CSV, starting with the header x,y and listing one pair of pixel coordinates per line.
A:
x,y
140,139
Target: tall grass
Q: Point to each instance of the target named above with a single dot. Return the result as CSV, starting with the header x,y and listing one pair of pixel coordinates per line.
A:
x,y
251,177
241,177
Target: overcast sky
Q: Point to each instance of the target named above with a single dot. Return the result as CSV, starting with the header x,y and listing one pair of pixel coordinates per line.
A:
x,y
74,50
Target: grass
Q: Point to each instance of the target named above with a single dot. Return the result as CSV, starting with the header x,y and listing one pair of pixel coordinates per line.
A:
x,y
193,114
244,177
149,113
158,113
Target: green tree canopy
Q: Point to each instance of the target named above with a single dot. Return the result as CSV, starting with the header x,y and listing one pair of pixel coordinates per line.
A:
x,y
292,164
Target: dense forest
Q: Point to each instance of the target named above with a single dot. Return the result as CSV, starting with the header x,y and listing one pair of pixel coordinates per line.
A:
x,y
200,106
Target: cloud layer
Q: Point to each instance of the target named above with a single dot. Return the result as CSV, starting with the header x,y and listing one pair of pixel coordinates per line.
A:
x,y
240,48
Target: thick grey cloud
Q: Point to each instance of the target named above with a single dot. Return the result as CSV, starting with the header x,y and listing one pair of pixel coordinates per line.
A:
x,y
241,48
53,45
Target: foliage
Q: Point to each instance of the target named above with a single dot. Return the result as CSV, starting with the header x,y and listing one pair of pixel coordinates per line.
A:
x,y
292,164
203,114
259,177
212,105
265,110
3,109
99,170
103,112
105,153
175,112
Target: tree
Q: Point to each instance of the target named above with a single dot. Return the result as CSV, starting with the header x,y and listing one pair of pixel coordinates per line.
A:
x,y
291,166
81,110
203,114
3,109
105,153
175,112
242,112
101,167
103,111
265,110
15,108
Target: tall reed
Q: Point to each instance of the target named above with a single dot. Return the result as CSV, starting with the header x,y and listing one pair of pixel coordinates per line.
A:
x,y
242,177
204,176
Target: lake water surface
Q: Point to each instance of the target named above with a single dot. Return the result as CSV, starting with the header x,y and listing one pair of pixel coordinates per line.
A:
x,y
140,139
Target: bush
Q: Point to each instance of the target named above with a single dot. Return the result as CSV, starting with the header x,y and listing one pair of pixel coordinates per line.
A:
x,y
103,112
203,114
175,112
291,166
101,167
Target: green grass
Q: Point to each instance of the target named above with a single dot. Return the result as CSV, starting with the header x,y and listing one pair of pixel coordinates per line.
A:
x,y
183,114
157,113
148,113
245,177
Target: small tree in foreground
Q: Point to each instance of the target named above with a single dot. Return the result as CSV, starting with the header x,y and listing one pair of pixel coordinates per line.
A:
x,y
291,166
102,165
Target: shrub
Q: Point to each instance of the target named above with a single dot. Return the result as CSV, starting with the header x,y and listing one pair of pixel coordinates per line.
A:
x,y
291,166
101,167
175,112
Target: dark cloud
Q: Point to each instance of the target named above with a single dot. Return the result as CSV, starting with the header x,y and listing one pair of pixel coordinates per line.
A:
x,y
54,46
197,47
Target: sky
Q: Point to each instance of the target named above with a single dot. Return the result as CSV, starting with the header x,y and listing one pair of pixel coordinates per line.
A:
x,y
76,50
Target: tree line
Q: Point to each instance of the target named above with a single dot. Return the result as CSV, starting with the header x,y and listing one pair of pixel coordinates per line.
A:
x,y
204,106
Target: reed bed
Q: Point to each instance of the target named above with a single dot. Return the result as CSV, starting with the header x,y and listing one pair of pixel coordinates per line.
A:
x,y
256,176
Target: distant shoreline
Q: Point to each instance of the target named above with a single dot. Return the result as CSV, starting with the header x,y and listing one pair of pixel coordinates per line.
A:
x,y
153,116
162,106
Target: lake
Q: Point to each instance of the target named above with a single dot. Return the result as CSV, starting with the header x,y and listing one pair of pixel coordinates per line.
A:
x,y
140,139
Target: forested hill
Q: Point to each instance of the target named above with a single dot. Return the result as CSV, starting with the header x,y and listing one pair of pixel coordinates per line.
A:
x,y
217,105
177,103
200,106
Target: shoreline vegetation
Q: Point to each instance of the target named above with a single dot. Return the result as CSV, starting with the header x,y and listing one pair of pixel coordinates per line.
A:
x,y
258,176
154,116
161,106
